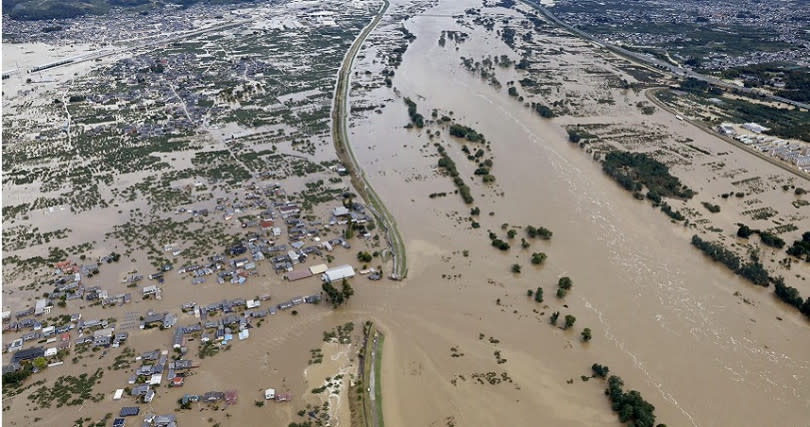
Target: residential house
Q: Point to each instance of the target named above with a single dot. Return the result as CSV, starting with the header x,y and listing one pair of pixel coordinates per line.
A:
x,y
150,290
27,354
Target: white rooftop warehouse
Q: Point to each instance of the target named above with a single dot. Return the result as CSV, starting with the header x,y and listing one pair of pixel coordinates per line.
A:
x,y
338,273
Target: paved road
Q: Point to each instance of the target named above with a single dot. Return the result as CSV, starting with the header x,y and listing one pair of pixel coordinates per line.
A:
x,y
650,94
659,64
340,137
372,384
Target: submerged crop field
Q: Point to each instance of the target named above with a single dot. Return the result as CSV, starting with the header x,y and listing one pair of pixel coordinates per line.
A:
x,y
193,119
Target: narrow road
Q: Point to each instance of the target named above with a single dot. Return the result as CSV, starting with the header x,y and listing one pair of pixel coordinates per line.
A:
x,y
340,137
182,102
65,102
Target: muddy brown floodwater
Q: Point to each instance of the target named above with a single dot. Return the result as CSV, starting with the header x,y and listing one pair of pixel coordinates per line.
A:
x,y
464,345
662,315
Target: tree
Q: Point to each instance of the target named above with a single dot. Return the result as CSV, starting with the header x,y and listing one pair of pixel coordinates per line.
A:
x,y
600,370
40,362
529,293
516,268
364,256
347,290
538,258
744,231
500,244
586,334
15,378
630,406
335,296
538,295
554,317
561,293
569,321
565,283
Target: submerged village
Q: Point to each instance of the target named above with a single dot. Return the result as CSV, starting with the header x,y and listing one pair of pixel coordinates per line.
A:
x,y
279,240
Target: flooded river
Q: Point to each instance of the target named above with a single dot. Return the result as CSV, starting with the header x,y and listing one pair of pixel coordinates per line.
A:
x,y
664,318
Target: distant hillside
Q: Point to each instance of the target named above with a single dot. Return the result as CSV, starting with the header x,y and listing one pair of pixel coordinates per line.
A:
x,y
55,9
60,9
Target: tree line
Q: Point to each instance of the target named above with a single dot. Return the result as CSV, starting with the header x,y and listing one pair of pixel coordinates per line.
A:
x,y
446,163
416,119
634,170
468,133
768,238
754,272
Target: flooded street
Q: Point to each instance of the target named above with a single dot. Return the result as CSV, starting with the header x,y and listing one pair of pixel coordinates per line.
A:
x,y
664,318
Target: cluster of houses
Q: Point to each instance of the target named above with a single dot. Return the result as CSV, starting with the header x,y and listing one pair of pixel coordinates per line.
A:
x,y
229,397
146,377
797,154
150,420
304,240
68,286
235,266
35,330
150,374
271,394
333,274
237,314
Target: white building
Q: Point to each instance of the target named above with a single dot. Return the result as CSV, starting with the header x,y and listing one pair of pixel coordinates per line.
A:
x,y
340,211
338,273
42,307
155,379
270,394
318,269
755,127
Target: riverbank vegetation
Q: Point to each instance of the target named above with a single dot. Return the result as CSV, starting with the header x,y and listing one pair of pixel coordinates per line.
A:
x,y
801,248
630,406
468,133
767,238
539,232
751,270
449,166
416,119
633,171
